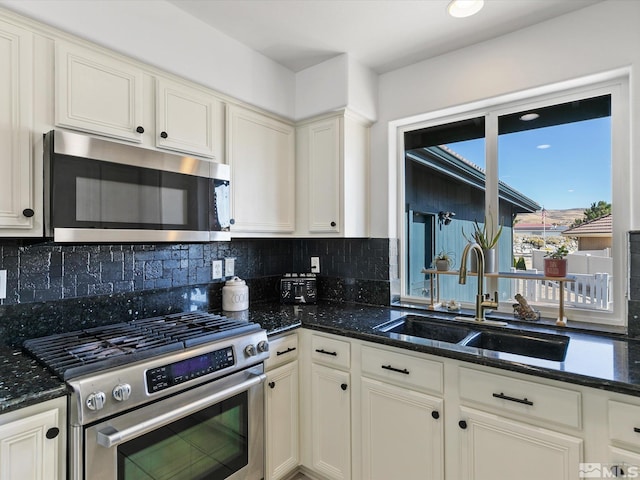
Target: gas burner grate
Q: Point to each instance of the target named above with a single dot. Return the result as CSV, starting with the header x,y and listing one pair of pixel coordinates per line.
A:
x,y
72,354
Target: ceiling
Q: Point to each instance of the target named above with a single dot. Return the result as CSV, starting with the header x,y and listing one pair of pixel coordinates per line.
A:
x,y
381,34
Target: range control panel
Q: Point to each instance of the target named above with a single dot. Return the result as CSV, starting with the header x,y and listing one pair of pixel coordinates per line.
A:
x,y
298,288
166,376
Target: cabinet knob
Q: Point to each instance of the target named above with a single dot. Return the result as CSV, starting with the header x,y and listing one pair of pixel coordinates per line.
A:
x,y
272,384
140,129
333,224
344,386
28,212
232,221
163,134
52,433
462,424
435,414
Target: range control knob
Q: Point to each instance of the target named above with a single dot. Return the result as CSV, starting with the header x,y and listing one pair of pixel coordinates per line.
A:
x,y
122,392
263,346
95,400
250,351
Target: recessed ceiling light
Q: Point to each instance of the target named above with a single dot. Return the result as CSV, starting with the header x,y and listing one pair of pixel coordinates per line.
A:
x,y
527,117
464,8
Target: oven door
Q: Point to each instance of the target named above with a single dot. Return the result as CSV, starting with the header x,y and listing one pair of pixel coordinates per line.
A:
x,y
214,431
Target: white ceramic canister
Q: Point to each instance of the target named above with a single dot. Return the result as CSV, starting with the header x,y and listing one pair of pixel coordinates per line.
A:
x,y
235,295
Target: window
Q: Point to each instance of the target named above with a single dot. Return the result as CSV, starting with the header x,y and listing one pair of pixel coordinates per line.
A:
x,y
540,171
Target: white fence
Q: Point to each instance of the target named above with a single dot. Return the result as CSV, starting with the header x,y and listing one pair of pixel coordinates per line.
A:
x,y
588,291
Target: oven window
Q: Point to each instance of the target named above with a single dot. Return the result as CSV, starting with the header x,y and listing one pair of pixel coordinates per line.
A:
x,y
210,444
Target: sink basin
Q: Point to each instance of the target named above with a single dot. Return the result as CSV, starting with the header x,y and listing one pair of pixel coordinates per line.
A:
x,y
539,345
415,326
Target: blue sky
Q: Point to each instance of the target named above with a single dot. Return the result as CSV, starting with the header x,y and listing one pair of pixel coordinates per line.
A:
x,y
564,166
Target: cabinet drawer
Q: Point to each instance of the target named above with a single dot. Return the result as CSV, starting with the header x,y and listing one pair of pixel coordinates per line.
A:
x,y
528,399
330,351
282,350
392,367
624,422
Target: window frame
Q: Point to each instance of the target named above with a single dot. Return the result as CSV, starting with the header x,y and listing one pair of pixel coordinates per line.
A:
x,y
615,84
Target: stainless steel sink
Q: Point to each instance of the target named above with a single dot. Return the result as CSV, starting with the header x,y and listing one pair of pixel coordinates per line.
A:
x,y
412,327
427,329
546,346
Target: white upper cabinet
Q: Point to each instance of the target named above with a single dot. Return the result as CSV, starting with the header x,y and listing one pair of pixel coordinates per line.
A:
x,y
98,93
17,207
261,152
102,94
187,119
332,176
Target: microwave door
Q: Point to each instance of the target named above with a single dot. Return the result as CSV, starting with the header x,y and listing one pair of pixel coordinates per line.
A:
x,y
100,201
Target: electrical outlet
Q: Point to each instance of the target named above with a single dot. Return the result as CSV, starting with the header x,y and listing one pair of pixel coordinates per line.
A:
x,y
3,284
229,267
315,264
216,269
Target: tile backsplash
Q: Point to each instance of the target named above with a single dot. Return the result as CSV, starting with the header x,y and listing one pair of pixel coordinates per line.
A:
x,y
123,282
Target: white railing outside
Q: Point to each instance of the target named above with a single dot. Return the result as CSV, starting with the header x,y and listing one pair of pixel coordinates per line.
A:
x,y
591,291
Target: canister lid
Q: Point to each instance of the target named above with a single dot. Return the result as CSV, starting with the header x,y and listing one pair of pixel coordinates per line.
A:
x,y
235,281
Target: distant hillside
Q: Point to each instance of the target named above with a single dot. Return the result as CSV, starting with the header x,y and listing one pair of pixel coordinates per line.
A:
x,y
559,217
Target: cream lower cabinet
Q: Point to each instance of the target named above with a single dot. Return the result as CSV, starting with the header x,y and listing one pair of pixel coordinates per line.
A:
x,y
402,434
402,419
624,440
496,448
282,451
326,418
32,442
282,421
331,422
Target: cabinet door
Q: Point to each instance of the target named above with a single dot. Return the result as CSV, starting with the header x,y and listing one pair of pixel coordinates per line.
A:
x,y
331,422
496,448
25,451
186,119
282,421
324,176
16,105
402,433
261,152
98,93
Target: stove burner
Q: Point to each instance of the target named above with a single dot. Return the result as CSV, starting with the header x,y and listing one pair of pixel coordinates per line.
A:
x,y
70,355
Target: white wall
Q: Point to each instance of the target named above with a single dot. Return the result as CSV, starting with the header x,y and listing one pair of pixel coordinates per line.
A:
x,y
160,34
340,82
603,37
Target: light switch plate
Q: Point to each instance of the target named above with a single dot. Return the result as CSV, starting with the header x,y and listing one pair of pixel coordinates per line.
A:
x,y
216,269
3,284
229,267
315,264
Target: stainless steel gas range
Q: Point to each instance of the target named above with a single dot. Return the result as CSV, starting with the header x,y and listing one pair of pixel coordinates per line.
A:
x,y
177,396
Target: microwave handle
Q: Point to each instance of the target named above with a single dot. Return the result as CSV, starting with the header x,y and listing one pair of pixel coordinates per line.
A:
x,y
110,437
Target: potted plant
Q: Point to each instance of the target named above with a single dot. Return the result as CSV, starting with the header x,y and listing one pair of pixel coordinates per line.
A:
x,y
487,238
443,261
555,265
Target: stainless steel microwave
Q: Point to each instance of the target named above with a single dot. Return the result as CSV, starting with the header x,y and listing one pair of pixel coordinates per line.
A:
x,y
98,190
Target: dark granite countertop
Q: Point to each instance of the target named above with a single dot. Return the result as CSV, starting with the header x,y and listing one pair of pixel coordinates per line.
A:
x,y
603,361
24,382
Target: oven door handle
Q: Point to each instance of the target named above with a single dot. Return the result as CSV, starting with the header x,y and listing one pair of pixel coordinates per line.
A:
x,y
111,437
